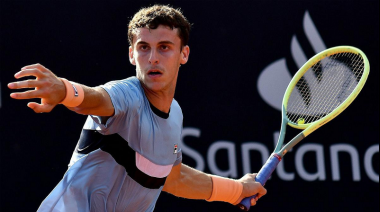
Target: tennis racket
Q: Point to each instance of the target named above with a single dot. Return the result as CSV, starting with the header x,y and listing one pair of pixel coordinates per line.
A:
x,y
323,88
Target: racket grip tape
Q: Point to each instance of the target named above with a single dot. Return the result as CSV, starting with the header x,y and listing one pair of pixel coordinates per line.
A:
x,y
262,177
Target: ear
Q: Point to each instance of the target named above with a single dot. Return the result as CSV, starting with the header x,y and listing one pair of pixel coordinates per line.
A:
x,y
185,55
131,56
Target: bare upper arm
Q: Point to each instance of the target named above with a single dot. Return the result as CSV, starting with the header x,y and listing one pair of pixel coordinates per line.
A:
x,y
174,175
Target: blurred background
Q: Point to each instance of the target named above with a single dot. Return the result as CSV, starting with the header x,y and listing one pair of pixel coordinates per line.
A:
x,y
243,54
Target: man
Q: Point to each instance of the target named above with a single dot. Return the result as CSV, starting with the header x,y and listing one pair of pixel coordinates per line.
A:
x,y
128,150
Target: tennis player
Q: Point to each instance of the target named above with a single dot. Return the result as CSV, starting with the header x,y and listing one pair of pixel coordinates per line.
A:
x,y
128,150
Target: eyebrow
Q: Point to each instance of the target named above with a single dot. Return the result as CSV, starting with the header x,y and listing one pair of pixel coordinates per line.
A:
x,y
161,42
166,42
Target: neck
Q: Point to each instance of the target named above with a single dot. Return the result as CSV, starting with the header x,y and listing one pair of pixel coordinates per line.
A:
x,y
160,100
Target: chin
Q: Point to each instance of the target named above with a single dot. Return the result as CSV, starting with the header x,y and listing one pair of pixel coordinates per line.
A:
x,y
155,86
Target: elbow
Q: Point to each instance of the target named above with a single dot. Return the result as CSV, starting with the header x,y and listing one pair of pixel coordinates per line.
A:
x,y
172,186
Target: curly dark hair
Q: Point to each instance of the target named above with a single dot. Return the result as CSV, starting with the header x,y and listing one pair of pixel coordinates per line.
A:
x,y
152,17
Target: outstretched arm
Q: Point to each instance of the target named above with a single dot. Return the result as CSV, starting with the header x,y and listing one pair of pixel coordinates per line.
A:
x,y
186,182
52,91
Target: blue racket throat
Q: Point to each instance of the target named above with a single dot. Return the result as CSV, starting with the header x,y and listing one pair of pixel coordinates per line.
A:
x,y
262,177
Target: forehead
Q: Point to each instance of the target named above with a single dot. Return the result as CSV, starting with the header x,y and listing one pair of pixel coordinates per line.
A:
x,y
152,36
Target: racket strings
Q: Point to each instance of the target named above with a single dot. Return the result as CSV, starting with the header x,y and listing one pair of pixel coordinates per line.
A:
x,y
303,88
313,118
324,87
329,92
345,91
347,86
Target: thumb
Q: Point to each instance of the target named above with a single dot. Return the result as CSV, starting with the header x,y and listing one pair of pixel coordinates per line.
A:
x,y
40,108
254,176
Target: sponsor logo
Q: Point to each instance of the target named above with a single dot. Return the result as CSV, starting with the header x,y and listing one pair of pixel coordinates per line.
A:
x,y
275,78
75,91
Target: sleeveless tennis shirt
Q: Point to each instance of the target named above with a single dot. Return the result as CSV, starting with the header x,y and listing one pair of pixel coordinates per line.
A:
x,y
120,165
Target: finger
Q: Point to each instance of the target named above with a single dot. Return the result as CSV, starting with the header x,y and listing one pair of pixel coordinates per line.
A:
x,y
31,94
35,66
29,72
257,198
40,108
253,202
262,192
24,84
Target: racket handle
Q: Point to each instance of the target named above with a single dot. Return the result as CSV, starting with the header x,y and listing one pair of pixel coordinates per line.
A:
x,y
262,177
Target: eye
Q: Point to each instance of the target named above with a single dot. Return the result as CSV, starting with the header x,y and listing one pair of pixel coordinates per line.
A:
x,y
164,47
144,47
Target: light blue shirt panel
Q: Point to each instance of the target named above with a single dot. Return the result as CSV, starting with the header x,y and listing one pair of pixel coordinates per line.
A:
x,y
97,183
148,134
126,98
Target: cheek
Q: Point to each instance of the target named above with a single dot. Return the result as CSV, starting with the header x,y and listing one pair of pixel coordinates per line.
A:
x,y
171,57
140,57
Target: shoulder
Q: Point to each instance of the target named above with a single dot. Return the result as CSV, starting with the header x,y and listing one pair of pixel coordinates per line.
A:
x,y
176,109
128,88
175,104
131,83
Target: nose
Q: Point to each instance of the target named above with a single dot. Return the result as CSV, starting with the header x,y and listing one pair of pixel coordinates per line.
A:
x,y
153,58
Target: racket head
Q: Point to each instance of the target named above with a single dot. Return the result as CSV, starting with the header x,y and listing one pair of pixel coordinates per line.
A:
x,y
324,87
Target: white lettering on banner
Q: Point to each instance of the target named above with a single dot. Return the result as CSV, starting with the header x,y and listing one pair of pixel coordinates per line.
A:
x,y
232,166
334,150
189,151
315,149
368,163
321,170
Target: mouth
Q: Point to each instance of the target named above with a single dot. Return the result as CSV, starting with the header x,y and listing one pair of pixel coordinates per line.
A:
x,y
154,73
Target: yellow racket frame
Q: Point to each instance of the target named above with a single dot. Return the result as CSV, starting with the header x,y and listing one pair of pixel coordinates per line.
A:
x,y
311,127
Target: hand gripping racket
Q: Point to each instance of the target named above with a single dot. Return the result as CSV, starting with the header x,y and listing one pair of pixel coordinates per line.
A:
x,y
323,88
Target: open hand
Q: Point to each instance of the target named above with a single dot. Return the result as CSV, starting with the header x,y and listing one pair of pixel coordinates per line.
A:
x,y
48,87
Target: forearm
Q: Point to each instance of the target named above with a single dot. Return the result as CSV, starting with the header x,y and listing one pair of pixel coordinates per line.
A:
x,y
96,102
190,184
